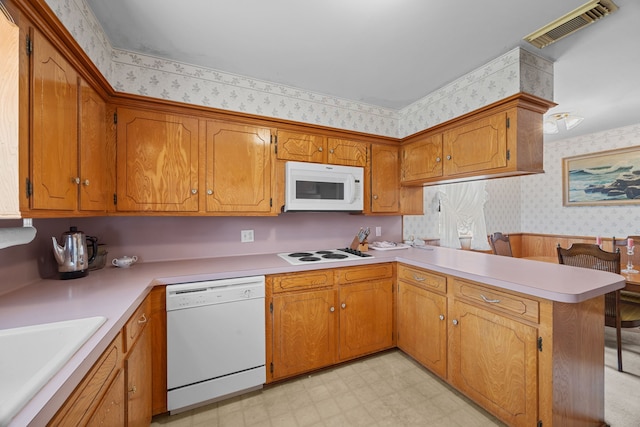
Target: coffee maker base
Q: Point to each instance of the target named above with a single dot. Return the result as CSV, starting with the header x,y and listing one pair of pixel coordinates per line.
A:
x,y
65,275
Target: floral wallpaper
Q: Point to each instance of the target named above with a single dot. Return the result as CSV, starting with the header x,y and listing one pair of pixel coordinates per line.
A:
x,y
541,209
515,71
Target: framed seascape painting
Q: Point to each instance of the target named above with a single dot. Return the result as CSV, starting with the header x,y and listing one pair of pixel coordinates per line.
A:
x,y
604,178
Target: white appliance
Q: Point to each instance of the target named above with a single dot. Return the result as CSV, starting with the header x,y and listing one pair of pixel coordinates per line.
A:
x,y
320,187
215,340
319,257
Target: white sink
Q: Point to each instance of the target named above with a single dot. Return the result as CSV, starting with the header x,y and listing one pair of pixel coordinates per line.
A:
x,y
31,355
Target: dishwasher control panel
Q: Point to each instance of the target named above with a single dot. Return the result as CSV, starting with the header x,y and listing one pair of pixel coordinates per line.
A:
x,y
186,295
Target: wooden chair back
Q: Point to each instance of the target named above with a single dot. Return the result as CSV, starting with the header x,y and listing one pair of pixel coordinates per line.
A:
x,y
500,244
589,255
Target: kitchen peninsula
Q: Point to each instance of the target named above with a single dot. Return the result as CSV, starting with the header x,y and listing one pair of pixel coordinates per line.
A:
x,y
552,313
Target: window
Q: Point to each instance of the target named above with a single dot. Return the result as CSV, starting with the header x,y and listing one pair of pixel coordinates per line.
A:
x,y
462,214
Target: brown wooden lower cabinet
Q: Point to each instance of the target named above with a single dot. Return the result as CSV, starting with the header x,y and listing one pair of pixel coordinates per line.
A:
x,y
319,318
422,327
111,410
102,399
524,359
493,360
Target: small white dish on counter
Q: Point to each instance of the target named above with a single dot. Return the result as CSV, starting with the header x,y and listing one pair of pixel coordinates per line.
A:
x,y
32,355
125,261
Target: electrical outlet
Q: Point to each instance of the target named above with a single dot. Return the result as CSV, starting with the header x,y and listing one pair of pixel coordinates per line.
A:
x,y
378,231
246,236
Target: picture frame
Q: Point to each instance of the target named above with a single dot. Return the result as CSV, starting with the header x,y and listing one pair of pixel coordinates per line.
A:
x,y
609,177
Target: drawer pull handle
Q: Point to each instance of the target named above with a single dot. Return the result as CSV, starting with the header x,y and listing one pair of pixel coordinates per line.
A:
x,y
133,389
142,319
492,301
419,278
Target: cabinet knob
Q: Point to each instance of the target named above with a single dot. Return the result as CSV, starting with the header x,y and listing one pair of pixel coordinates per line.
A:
x,y
441,317
85,182
320,149
448,157
438,159
75,180
344,305
209,191
133,389
332,309
454,321
194,191
375,197
331,151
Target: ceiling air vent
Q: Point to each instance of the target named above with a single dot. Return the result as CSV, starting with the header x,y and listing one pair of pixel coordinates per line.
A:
x,y
571,22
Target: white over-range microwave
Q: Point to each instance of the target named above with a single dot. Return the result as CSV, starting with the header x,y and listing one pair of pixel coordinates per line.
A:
x,y
320,187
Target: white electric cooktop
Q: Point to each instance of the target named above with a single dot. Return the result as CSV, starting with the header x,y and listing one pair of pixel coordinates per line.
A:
x,y
323,256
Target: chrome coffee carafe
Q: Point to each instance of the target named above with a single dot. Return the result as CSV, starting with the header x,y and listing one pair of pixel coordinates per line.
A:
x,y
73,260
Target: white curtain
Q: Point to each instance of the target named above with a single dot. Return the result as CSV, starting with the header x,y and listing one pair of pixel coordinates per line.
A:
x,y
462,213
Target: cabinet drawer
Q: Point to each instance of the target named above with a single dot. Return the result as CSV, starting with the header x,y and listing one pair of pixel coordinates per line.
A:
x,y
422,278
359,274
504,302
136,324
299,281
88,395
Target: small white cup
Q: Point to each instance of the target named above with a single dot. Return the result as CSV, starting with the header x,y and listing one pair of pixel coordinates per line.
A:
x,y
124,261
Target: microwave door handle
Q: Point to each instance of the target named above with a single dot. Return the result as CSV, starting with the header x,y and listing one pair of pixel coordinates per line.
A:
x,y
352,185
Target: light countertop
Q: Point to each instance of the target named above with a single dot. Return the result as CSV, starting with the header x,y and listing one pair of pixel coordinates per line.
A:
x,y
115,294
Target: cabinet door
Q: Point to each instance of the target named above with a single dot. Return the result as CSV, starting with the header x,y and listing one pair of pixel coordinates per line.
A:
x,y
301,147
54,138
493,360
422,159
93,150
477,146
385,177
346,153
422,326
304,332
111,410
366,318
138,373
157,161
238,168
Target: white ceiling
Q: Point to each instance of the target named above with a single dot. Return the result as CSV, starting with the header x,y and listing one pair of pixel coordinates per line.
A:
x,y
389,53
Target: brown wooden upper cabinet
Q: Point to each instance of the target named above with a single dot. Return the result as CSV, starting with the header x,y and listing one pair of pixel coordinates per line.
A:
x,y
477,146
304,147
68,139
238,168
499,141
422,159
157,161
385,179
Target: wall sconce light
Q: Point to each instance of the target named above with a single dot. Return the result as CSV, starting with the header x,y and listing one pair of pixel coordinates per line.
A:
x,y
555,122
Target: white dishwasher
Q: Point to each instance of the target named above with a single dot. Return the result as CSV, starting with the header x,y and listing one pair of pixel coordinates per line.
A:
x,y
215,340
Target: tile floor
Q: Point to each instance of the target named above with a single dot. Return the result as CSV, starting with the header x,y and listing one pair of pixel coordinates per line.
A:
x,y
387,389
